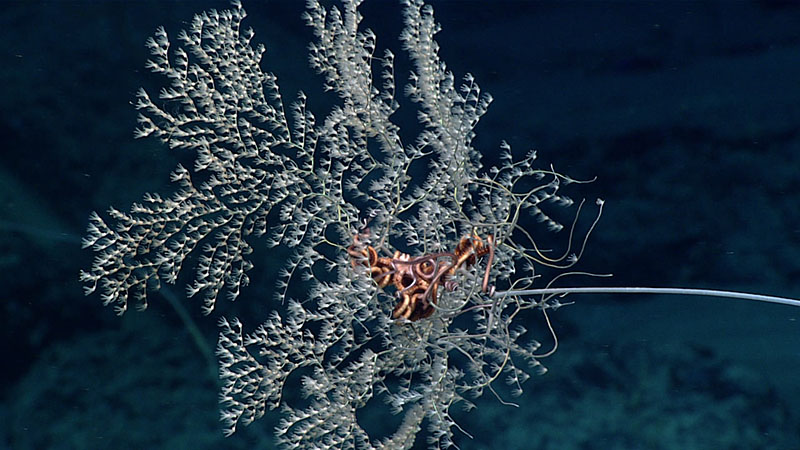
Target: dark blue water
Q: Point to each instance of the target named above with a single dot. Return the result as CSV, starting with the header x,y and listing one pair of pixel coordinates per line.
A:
x,y
687,114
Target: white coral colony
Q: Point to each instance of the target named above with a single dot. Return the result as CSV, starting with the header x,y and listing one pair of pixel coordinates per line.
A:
x,y
451,245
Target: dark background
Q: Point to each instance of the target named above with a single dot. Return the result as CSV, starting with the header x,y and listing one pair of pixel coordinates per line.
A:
x,y
687,114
